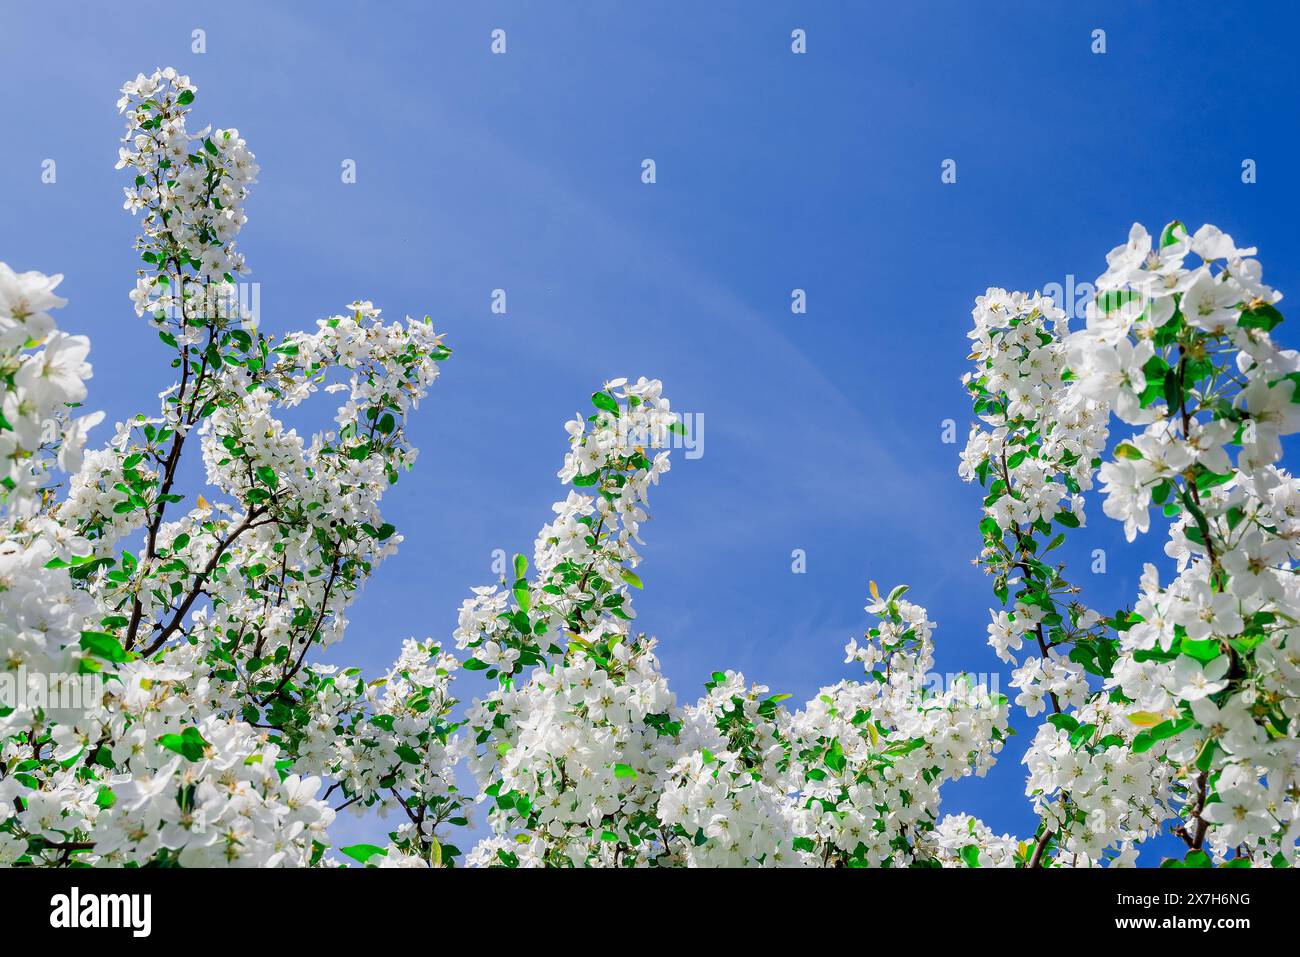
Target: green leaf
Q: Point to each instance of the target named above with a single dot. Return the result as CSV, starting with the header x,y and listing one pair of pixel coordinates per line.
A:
x,y
1064,722
1172,728
1082,735
971,855
1112,299
363,852
1263,316
1206,757
1068,519
186,97
103,645
1126,451
1173,391
603,400
631,578
1174,232
1203,651
1146,740
1207,480
624,771
521,566
189,744
835,759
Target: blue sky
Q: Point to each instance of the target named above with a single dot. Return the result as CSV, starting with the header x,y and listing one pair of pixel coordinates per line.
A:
x,y
774,172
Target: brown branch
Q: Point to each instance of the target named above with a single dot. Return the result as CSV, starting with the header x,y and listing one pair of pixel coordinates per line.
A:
x,y
166,631
311,635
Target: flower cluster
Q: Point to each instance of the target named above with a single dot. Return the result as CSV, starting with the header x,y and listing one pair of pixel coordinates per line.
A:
x,y
1206,663
570,754
871,756
43,373
1035,453
209,737
190,187
1178,713
960,840
162,704
389,744
588,759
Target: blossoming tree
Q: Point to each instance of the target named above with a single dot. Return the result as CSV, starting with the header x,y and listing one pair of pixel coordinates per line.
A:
x,y
213,736
210,734
1179,713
